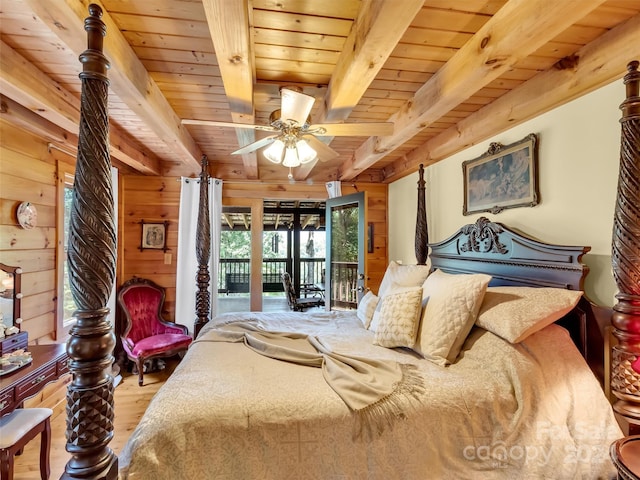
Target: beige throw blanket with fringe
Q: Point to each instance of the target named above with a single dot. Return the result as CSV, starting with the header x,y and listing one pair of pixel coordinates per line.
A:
x,y
372,389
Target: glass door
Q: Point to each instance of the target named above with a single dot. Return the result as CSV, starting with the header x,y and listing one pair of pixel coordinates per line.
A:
x,y
345,267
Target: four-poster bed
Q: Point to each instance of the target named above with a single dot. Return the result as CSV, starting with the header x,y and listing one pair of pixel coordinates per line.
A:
x,y
277,422
257,417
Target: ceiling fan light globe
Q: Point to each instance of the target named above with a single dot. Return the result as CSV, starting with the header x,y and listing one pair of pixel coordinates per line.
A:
x,y
274,152
291,158
306,153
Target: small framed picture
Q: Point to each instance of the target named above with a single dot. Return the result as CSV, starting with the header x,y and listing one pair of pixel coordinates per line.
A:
x,y
503,177
154,236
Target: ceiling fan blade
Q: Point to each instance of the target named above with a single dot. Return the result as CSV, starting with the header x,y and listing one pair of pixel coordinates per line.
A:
x,y
210,123
295,106
379,129
324,151
263,142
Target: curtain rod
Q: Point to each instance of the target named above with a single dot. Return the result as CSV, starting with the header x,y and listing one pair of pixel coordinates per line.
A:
x,y
53,146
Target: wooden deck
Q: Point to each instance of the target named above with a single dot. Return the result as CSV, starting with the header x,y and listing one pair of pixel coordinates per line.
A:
x,y
239,302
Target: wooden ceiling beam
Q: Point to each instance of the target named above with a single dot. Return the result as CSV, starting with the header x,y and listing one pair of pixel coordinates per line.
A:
x,y
598,63
128,77
229,25
376,31
307,221
22,117
21,81
515,31
227,218
31,88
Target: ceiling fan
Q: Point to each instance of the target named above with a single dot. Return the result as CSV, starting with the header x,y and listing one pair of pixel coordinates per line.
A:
x,y
293,141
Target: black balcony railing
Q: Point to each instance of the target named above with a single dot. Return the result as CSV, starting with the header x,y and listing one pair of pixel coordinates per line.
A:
x,y
234,273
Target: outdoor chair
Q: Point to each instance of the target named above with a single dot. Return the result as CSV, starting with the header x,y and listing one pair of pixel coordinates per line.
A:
x,y
299,304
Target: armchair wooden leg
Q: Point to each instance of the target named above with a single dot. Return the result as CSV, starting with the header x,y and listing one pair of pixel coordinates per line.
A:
x,y
140,364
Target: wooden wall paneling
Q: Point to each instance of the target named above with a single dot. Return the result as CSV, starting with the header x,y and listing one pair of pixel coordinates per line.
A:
x,y
24,189
30,260
13,163
28,173
152,199
40,328
15,237
8,212
38,282
38,304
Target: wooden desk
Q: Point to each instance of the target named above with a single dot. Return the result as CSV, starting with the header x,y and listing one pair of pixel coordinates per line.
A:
x,y
49,364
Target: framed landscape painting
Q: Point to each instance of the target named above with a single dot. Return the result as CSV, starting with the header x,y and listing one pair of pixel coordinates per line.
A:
x,y
504,177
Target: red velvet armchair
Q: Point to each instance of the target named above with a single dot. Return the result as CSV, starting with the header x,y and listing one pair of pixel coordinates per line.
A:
x,y
145,334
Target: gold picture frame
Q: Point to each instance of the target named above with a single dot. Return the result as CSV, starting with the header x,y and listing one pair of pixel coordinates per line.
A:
x,y
503,177
153,235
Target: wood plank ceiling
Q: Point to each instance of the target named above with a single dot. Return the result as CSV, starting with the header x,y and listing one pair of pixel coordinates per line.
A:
x,y
448,74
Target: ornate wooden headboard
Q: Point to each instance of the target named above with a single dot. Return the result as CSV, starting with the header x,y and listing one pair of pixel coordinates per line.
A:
x,y
512,258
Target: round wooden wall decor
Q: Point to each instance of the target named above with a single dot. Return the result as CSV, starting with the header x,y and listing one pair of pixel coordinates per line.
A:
x,y
27,215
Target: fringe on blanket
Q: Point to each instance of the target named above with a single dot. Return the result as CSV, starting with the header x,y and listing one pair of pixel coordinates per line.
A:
x,y
372,420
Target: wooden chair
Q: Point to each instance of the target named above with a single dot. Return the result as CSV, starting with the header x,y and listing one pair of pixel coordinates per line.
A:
x,y
298,304
146,335
16,430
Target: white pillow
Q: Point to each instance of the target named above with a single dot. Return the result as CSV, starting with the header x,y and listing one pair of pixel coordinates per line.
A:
x,y
392,290
366,307
514,313
402,276
452,306
399,317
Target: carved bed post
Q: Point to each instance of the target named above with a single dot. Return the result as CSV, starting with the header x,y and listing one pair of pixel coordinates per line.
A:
x,y
625,375
203,251
92,260
422,234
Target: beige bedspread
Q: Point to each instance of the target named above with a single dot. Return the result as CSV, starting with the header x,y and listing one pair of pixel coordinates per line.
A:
x,y
526,411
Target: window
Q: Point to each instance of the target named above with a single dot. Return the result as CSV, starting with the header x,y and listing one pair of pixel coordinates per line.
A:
x,y
66,305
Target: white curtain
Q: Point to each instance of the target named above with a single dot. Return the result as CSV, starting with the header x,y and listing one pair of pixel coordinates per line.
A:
x,y
187,263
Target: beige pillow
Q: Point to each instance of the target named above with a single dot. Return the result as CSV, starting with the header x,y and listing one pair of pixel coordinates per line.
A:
x,y
514,313
397,275
453,302
366,307
399,317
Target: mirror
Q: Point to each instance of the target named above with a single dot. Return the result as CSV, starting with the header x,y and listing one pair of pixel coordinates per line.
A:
x,y
10,296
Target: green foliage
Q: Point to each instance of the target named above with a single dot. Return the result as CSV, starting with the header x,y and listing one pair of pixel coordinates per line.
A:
x,y
235,244
344,247
68,303
274,244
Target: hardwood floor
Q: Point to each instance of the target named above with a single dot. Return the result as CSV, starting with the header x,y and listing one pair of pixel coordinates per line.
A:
x,y
130,403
